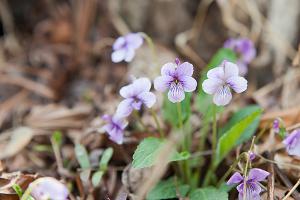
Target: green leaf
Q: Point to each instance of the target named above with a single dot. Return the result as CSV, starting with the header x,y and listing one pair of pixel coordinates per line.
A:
x,y
82,157
148,149
96,178
170,112
208,193
18,190
107,154
204,101
234,136
167,190
57,138
240,115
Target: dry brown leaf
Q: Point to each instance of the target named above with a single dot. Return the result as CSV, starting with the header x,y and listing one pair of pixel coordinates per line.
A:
x,y
56,117
19,139
7,180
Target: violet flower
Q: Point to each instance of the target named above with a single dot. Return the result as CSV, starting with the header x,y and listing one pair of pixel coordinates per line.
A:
x,y
292,143
246,51
125,46
276,126
136,94
221,79
48,188
252,156
115,127
253,188
177,78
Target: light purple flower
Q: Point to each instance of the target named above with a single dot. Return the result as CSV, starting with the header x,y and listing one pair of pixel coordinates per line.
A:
x,y
136,94
177,78
221,80
276,126
245,50
292,143
251,156
253,188
115,127
125,46
48,188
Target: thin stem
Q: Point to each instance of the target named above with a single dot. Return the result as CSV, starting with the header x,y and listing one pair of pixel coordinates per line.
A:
x,y
214,133
232,167
137,116
212,167
162,135
292,190
151,46
186,166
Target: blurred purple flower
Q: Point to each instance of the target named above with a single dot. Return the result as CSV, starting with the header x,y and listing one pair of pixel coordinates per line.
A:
x,y
276,126
221,79
115,127
177,78
136,94
292,143
48,188
253,188
251,156
125,46
246,51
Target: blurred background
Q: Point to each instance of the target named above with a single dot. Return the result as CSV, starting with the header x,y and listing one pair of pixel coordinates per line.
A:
x,y
56,72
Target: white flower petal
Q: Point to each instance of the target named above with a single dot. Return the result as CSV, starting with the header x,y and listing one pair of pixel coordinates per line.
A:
x,y
176,93
210,86
168,69
118,55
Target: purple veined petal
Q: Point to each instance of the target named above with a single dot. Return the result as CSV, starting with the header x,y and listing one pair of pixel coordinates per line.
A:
x,y
292,143
223,96
295,135
129,55
148,98
136,104
235,179
134,40
230,69
162,83
168,69
119,121
211,86
185,69
257,174
118,55
119,43
243,68
125,108
116,135
250,196
176,93
189,83
237,83
216,73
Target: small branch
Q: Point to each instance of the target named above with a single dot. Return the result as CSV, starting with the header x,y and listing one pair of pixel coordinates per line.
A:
x,y
292,190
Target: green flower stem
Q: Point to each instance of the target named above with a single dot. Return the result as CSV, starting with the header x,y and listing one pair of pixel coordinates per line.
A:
x,y
212,167
151,46
232,167
162,134
214,133
138,118
186,166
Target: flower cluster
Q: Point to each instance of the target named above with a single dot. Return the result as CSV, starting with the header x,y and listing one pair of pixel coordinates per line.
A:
x,y
48,188
245,50
252,187
124,47
221,80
